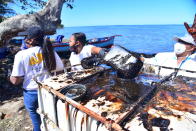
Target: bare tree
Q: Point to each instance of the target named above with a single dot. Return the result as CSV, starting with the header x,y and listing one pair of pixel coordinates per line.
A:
x,y
48,19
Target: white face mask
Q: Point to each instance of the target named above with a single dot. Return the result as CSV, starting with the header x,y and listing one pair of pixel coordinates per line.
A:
x,y
179,48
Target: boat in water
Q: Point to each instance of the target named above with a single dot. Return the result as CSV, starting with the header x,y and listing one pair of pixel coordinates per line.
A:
x,y
63,46
104,42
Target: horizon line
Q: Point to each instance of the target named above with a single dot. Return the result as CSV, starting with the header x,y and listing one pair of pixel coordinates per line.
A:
x,y
120,25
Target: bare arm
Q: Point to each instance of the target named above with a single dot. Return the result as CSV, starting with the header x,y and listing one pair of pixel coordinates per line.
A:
x,y
16,80
95,50
142,58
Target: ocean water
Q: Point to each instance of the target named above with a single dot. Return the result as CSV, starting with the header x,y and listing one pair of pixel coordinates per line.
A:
x,y
140,38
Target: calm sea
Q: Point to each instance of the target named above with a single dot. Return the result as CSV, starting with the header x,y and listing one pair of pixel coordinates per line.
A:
x,y
139,38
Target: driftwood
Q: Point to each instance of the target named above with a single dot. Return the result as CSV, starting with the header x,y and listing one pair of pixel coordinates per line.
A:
x,y
48,19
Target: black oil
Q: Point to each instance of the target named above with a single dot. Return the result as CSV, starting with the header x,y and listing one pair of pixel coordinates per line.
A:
x,y
158,122
74,91
126,63
98,124
75,116
129,91
180,94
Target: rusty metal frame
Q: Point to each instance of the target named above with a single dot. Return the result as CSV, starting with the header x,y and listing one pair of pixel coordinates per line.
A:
x,y
106,122
138,106
110,124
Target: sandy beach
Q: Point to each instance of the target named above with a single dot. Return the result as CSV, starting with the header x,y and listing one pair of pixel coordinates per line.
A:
x,y
13,116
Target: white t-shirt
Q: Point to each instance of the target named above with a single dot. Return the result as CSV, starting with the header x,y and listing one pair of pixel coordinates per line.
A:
x,y
75,59
169,59
28,63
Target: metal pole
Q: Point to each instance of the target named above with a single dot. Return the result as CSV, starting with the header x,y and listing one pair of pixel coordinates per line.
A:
x,y
143,101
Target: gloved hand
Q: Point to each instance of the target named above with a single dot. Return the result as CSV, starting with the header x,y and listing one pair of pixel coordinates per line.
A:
x,y
102,53
90,62
191,30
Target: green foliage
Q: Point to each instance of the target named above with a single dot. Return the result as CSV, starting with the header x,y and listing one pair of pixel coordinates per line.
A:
x,y
33,5
60,26
5,11
30,6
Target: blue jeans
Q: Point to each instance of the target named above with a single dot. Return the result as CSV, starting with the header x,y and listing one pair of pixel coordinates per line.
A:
x,y
31,104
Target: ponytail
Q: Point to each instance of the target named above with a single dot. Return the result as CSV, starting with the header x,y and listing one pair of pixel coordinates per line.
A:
x,y
48,55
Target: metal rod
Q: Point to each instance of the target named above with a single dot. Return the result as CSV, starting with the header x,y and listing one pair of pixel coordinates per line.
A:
x,y
122,117
143,101
108,123
131,110
191,71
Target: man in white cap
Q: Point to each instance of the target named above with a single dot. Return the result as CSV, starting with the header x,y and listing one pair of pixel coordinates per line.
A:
x,y
183,57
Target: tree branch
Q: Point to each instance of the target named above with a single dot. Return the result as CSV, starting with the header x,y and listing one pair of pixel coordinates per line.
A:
x,y
48,19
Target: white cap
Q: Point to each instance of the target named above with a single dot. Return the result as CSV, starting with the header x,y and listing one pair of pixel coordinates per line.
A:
x,y
187,38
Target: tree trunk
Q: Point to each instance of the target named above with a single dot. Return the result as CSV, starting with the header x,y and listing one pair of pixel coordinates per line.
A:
x,y
48,19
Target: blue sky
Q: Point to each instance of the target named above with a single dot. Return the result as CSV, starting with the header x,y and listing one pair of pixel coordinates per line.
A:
x,y
128,12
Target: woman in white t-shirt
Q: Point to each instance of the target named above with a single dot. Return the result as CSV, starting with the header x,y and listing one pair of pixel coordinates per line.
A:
x,y
37,59
80,50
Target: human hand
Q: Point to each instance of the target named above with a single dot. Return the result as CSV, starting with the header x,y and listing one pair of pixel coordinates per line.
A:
x,y
9,72
142,58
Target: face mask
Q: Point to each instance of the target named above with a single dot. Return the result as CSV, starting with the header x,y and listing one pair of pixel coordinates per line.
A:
x,y
179,48
24,45
74,48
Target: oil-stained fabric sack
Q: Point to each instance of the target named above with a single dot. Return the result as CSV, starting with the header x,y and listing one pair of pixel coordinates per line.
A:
x,y
126,64
90,62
